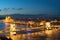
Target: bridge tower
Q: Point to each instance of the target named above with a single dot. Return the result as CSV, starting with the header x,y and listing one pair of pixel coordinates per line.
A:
x,y
9,25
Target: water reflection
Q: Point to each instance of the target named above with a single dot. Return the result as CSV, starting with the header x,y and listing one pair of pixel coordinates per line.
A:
x,y
54,35
28,37
2,25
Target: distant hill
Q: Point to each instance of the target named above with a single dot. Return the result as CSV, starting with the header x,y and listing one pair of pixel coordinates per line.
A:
x,y
35,16
27,15
31,16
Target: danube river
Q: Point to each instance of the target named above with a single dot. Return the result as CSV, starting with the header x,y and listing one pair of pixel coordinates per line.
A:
x,y
53,34
45,35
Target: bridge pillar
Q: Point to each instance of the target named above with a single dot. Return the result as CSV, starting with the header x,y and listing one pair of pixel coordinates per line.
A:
x,y
12,29
9,25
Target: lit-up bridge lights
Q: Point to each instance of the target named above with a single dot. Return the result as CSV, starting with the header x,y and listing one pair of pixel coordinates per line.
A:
x,y
10,26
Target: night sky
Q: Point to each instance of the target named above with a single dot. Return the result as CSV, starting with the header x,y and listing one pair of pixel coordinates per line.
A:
x,y
29,6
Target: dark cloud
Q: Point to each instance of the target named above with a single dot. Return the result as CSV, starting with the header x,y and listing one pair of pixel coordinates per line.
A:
x,y
8,8
17,8
0,10
20,9
13,8
5,9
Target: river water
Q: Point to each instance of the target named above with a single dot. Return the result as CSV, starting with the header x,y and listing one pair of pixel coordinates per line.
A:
x,y
52,35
